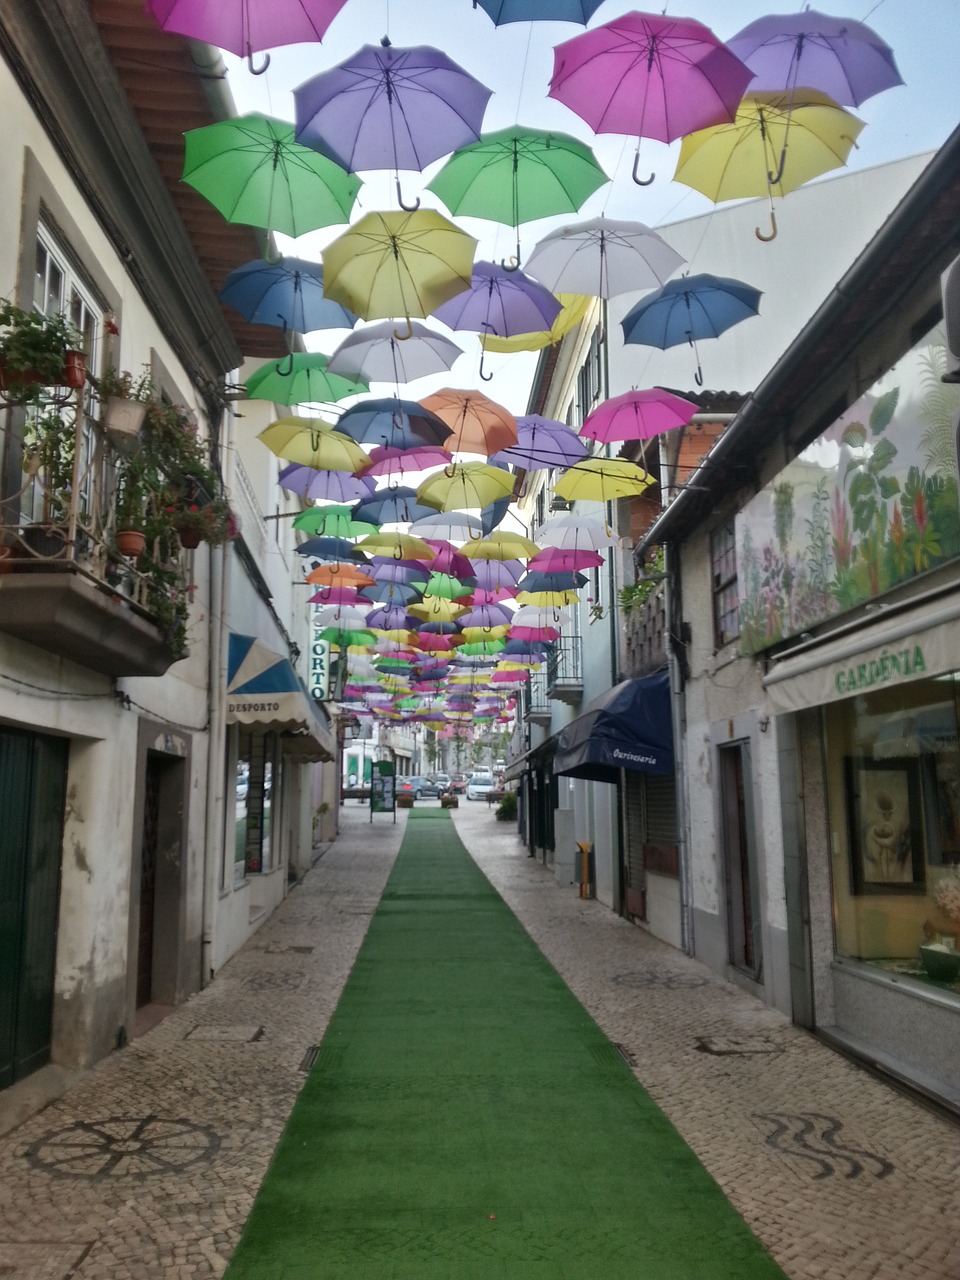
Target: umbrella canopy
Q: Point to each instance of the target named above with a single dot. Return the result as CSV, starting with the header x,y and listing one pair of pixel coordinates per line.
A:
x,y
325,547
376,354
446,524
337,596
398,264
393,462
562,580
288,293
685,310
574,307
389,108
557,560
486,616
252,170
437,609
601,480
465,485
391,506
301,378
313,443
502,11
444,586
494,512
501,303
603,257
500,546
479,424
324,486
399,545
637,415
515,175
497,573
393,424
393,594
339,574
575,532
243,26
648,76
542,443
838,56
334,522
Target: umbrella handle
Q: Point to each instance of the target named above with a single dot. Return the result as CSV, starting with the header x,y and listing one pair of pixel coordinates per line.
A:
x,y
403,337
257,71
698,376
510,264
487,377
288,361
774,178
641,182
407,208
773,229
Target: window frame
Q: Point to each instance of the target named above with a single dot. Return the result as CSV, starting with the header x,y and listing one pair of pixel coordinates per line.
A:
x,y
724,584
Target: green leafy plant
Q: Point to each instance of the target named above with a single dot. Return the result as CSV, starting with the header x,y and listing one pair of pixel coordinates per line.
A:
x,y
49,444
34,346
114,383
507,808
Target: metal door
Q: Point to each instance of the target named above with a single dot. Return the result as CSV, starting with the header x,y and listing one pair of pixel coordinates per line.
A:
x,y
740,860
33,783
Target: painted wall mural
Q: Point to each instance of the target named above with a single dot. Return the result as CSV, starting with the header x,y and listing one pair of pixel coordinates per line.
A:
x,y
870,504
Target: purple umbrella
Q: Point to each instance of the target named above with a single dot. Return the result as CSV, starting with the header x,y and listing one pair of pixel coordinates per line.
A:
x,y
328,486
500,301
811,50
391,618
247,26
497,573
388,108
542,443
486,615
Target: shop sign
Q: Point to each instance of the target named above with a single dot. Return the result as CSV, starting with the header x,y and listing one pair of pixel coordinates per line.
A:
x,y
906,664
319,683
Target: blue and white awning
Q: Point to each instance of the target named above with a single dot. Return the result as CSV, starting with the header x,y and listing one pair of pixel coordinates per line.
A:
x,y
264,693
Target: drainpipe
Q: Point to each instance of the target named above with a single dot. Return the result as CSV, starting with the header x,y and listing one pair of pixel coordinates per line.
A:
x,y
672,598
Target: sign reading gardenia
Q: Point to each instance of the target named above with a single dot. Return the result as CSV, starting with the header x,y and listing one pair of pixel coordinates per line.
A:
x,y
868,506
908,664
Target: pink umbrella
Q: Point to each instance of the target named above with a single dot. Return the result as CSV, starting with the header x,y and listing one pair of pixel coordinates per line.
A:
x,y
649,76
510,677
389,462
247,26
496,595
449,560
534,633
559,560
638,415
339,595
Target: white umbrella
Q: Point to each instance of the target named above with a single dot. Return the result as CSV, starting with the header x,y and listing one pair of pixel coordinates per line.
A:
x,y
376,354
576,533
447,525
602,258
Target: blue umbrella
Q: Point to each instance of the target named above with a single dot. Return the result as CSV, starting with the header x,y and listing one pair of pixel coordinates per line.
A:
x,y
393,423
392,593
537,581
502,11
288,293
687,309
491,516
326,548
390,506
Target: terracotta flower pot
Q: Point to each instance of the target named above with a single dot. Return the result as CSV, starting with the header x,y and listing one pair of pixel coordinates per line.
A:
x,y
130,542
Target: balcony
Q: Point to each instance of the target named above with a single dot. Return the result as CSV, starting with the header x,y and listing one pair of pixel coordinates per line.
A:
x,y
536,703
644,629
565,671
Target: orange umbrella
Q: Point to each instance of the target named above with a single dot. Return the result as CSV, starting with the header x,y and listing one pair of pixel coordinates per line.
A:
x,y
479,424
340,574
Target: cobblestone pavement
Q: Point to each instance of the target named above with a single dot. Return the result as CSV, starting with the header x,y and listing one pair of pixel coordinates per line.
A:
x,y
147,1167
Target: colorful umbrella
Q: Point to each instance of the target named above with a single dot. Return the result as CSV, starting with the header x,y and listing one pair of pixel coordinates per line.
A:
x,y
393,423
391,506
542,443
251,169
335,522
245,27
394,462
447,559
338,596
392,593
301,378
446,524
840,57
497,573
516,175
399,545
648,76
288,294
387,108
376,354
444,586
325,547
502,11
324,486
685,310
557,560
311,442
479,424
637,415
340,573
500,546
575,532
398,264
465,485
501,303
603,258
486,616
601,480
437,610
574,307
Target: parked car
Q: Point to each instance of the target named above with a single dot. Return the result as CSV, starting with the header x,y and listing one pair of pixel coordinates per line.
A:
x,y
418,788
458,783
478,784
443,782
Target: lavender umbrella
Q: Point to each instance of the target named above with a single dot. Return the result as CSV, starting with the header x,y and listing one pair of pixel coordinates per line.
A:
x,y
391,618
327,486
388,108
246,26
497,573
542,443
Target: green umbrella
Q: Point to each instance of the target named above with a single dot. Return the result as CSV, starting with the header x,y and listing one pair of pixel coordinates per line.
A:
x,y
444,586
333,521
252,170
301,378
343,637
516,175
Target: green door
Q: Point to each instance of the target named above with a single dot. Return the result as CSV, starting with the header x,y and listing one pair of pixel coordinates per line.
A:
x,y
33,779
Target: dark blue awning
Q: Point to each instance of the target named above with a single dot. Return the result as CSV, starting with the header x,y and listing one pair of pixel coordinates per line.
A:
x,y
628,727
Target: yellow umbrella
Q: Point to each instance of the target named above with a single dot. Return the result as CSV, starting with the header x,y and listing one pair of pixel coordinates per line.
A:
x,y
547,599
466,485
436,609
575,307
500,546
474,634
312,442
601,480
776,142
398,264
402,546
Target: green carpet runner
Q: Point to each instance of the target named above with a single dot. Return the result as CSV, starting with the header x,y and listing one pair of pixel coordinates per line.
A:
x,y
467,1120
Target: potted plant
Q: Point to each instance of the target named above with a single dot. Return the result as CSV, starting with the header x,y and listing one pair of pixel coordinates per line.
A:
x,y
38,350
130,515
210,522
125,400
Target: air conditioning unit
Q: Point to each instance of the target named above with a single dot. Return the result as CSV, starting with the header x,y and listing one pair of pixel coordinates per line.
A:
x,y
950,288
560,504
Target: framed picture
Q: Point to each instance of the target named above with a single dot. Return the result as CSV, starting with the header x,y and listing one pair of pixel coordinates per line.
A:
x,y
885,813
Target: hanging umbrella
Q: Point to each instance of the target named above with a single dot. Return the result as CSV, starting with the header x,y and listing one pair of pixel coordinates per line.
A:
x,y
542,443
391,506
341,574
437,610
325,547
338,596
335,522
324,486
386,569
648,76
446,524
637,415
603,258
688,309
545,634
288,293
444,586
557,560
574,307
398,264
387,108
502,11
529,615
343,637
777,142
602,480
840,57
313,443
391,618
245,27
479,424
494,512
495,595
393,462
393,423
399,545
301,378
516,175
376,354
447,559
500,546
392,593
575,532
251,170
465,485
486,616
497,573
560,580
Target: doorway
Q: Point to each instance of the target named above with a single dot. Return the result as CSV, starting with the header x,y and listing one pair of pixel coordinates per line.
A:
x,y
740,860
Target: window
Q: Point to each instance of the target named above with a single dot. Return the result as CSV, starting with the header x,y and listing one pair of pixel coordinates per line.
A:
x,y
723,576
